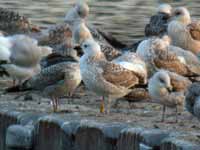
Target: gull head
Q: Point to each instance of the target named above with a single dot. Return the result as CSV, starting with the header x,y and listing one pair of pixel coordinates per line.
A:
x,y
81,33
165,8
78,12
159,84
161,44
91,47
182,15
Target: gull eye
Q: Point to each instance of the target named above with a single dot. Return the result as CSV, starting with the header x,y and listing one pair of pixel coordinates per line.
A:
x,y
177,13
85,46
162,81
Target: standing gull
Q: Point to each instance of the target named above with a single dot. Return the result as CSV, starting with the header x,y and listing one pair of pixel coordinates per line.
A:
x,y
54,81
168,89
105,78
184,32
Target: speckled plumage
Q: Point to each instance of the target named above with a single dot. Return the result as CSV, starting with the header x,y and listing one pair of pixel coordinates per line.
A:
x,y
54,81
158,23
12,22
159,54
183,31
102,77
165,88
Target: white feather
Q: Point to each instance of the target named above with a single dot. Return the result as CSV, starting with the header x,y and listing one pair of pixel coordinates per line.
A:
x,y
5,46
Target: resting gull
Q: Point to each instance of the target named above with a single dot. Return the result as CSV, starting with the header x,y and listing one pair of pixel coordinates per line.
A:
x,y
159,54
158,23
184,32
21,55
167,88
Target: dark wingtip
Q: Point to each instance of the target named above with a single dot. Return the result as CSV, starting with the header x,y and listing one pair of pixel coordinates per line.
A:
x,y
112,40
3,72
12,89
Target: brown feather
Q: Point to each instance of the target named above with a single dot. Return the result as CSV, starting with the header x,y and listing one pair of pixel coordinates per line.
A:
x,y
169,61
179,83
118,75
194,29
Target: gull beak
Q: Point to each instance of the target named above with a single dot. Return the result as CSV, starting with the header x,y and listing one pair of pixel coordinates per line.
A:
x,y
79,50
169,88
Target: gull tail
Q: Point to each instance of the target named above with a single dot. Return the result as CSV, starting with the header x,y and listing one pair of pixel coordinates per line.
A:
x,y
112,40
19,88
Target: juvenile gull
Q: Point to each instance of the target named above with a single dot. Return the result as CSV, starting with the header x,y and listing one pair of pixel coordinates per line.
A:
x,y
13,23
158,23
168,89
54,81
184,32
81,33
105,78
159,54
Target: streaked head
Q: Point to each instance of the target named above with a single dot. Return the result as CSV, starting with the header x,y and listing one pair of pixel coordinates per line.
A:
x,y
91,47
159,44
160,81
46,50
182,15
166,39
78,12
165,8
81,33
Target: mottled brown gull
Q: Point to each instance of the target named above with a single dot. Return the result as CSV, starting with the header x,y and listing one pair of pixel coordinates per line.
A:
x,y
159,54
184,32
105,78
54,81
158,23
168,89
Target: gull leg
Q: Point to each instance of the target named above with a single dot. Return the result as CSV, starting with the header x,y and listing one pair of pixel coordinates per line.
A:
x,y
102,106
54,104
70,96
14,82
176,114
108,106
163,113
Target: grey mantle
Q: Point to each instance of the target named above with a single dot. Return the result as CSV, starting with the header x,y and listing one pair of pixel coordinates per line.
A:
x,y
35,131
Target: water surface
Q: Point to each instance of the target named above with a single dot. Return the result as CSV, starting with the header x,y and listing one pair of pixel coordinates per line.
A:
x,y
124,18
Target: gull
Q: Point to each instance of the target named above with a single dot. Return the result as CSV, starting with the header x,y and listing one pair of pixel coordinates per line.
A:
x,y
129,60
79,14
159,54
184,32
192,99
105,78
81,33
21,56
167,88
158,23
13,23
54,81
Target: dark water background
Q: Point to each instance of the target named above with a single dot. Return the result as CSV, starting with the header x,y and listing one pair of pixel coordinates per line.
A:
x,y
124,18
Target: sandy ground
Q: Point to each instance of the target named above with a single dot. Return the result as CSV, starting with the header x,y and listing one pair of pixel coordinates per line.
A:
x,y
86,104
